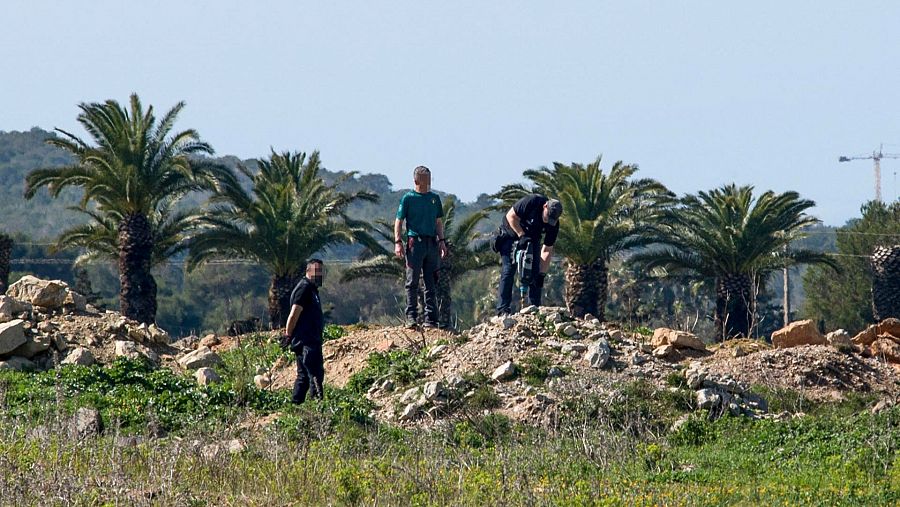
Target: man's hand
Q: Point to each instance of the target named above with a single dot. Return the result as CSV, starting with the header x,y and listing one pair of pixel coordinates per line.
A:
x,y
523,243
285,341
398,250
443,248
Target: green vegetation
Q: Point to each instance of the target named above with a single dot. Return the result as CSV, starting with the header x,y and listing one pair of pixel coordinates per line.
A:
x,y
402,366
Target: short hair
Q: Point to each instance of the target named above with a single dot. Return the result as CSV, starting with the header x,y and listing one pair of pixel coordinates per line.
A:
x,y
315,261
421,171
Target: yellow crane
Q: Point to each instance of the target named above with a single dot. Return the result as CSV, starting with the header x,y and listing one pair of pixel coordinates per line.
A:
x,y
876,157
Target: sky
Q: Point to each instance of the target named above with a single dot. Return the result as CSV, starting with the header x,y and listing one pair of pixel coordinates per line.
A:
x,y
697,94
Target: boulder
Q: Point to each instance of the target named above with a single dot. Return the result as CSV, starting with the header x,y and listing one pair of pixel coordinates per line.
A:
x,y
505,371
708,399
433,390
665,352
598,354
9,308
49,294
158,335
75,301
199,358
85,423
840,339
411,411
12,335
262,381
660,337
886,348
801,332
80,356
410,395
131,350
33,346
206,376
18,364
209,340
889,326
866,336
685,340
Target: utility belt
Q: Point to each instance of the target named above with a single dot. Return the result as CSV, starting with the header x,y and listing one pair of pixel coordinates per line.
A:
x,y
411,240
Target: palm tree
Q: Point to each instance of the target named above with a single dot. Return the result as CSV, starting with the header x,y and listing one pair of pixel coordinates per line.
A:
x,y
135,168
729,238
288,215
466,252
603,214
6,245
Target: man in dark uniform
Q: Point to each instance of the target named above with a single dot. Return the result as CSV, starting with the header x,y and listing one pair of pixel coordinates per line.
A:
x,y
304,326
422,244
523,225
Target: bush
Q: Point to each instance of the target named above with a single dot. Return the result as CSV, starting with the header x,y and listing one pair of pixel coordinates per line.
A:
x,y
402,366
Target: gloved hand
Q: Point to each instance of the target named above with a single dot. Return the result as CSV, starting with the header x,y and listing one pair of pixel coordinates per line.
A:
x,y
523,243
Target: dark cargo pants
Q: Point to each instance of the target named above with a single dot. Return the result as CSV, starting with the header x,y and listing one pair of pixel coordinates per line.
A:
x,y
423,258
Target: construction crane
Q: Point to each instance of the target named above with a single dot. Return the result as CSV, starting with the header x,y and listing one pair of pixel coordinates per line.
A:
x,y
876,157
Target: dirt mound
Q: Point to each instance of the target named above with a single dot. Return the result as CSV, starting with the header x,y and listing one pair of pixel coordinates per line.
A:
x,y
820,372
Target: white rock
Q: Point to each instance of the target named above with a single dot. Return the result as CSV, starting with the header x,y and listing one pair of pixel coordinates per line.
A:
x,y
598,354
433,390
262,381
573,347
410,395
75,301
529,310
131,350
80,356
664,351
12,335
158,335
840,340
708,398
505,371
206,376
199,358
456,382
411,411
9,308
48,294
437,351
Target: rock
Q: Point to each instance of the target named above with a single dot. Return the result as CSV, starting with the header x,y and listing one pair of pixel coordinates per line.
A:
x,y
598,354
566,329
433,390
209,340
695,378
886,348
410,395
840,340
664,352
199,358
12,335
9,308
708,399
46,327
866,336
158,335
456,382
529,391
131,350
75,301
556,372
411,411
206,376
17,363
85,423
801,332
882,405
437,351
49,294
385,345
262,381
32,346
639,359
616,335
660,337
60,343
573,347
505,371
528,310
80,356
505,321
889,326
738,351
685,340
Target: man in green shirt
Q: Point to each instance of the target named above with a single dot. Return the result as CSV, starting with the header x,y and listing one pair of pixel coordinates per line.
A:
x,y
423,244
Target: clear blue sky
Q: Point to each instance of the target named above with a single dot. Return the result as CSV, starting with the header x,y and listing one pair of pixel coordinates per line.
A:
x,y
698,94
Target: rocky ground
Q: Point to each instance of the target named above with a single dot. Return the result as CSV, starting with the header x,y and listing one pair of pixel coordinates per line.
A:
x,y
525,366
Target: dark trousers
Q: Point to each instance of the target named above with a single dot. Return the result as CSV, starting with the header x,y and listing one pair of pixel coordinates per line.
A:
x,y
508,274
310,374
423,258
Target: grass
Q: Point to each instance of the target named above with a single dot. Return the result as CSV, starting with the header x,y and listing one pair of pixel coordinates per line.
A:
x,y
613,450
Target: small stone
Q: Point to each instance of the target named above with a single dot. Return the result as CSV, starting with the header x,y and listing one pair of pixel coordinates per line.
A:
x,y
738,351
437,351
707,399
505,371
529,310
206,376
598,354
262,381
49,294
616,335
573,347
433,390
639,359
131,350
85,423
411,411
387,386
556,372
410,395
664,352
456,382
801,332
158,335
80,356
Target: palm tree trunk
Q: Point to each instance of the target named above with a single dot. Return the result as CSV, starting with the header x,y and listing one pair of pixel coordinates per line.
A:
x,y
735,306
280,298
137,288
5,254
586,289
443,288
886,282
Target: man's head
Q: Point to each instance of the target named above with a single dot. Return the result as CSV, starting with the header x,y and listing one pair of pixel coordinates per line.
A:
x,y
552,211
422,179
315,271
